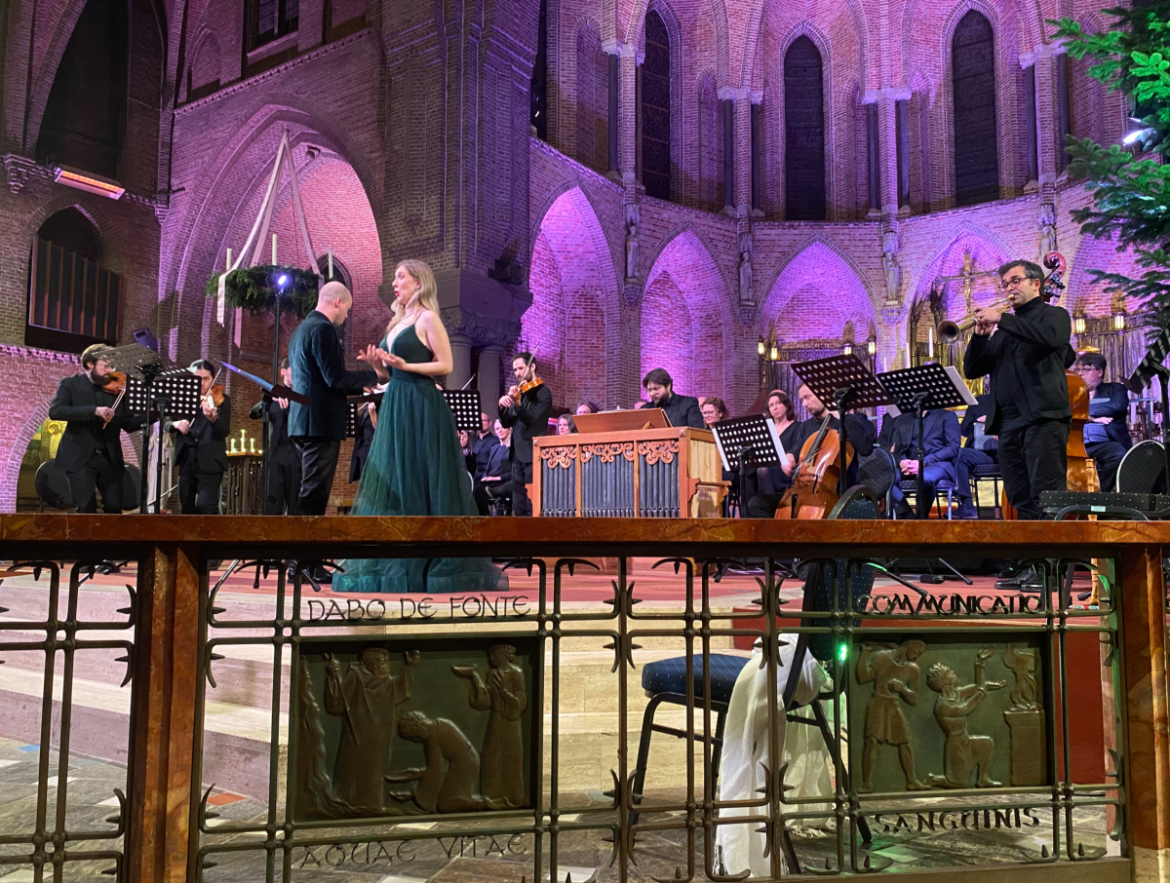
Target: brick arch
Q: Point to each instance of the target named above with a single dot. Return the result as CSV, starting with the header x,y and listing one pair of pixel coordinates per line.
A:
x,y
1083,292
636,30
946,259
38,372
223,186
694,345
806,28
206,54
815,292
574,323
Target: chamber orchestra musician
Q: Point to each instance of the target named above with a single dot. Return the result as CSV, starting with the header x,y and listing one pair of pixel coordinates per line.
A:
x,y
680,410
773,481
201,445
979,450
483,445
941,440
1106,434
319,372
859,431
90,450
284,460
525,410
495,481
366,421
1026,352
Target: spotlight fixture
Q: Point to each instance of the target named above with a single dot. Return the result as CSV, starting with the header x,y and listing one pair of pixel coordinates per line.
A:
x,y
282,281
88,182
1137,135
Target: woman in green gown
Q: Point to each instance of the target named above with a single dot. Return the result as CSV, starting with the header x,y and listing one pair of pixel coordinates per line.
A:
x,y
415,465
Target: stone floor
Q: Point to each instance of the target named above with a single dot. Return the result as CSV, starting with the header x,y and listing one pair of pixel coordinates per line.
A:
x,y
389,855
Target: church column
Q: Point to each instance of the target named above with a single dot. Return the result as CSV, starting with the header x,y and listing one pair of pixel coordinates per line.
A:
x,y
738,155
614,68
628,126
1045,68
460,362
489,379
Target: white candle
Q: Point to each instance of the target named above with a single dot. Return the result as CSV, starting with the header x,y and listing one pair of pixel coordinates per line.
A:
x,y
930,342
229,261
274,249
909,357
330,276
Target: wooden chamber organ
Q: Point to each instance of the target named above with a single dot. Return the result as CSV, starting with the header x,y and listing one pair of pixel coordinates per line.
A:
x,y
647,473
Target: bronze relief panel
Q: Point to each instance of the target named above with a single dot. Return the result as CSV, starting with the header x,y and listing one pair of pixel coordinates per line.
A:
x,y
406,727
949,712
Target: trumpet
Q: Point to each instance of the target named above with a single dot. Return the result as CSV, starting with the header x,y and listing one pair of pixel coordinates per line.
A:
x,y
949,332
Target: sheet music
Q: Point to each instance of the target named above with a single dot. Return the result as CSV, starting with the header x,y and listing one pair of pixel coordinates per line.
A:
x,y
960,386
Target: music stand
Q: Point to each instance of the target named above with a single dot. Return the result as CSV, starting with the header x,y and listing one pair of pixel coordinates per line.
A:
x,y
845,380
465,408
142,366
928,387
754,436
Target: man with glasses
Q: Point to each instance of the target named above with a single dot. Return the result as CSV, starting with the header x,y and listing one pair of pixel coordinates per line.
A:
x,y
1026,352
1106,435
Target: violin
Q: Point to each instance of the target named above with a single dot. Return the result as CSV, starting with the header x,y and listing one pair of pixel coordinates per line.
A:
x,y
116,385
215,396
814,481
530,384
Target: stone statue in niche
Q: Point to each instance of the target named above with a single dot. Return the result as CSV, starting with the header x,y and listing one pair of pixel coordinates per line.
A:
x,y
1025,719
367,698
895,674
745,277
890,267
502,757
632,251
962,752
1047,228
448,781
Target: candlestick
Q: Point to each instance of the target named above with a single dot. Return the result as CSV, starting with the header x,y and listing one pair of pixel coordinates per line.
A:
x,y
253,445
330,265
930,342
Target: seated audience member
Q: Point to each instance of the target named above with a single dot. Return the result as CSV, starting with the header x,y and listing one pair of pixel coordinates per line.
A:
x,y
713,410
979,449
565,425
890,425
940,431
680,410
588,408
496,482
1106,434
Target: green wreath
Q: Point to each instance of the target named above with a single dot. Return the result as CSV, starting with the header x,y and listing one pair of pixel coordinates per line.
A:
x,y
254,289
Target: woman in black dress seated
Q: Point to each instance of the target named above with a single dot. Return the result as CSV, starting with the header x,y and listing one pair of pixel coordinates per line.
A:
x,y
773,481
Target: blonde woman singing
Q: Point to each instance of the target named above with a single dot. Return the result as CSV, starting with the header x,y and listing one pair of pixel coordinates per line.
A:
x,y
415,465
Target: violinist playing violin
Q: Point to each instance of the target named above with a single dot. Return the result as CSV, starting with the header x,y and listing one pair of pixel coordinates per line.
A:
x,y
201,445
90,451
526,407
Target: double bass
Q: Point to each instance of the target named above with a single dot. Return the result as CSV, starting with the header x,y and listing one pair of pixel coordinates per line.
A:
x,y
814,481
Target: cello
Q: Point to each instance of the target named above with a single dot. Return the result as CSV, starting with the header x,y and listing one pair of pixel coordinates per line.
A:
x,y
814,481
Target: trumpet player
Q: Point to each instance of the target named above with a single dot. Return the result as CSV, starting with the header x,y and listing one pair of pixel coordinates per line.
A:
x,y
1026,352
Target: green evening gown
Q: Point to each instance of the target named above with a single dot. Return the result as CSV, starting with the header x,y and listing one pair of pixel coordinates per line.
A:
x,y
415,467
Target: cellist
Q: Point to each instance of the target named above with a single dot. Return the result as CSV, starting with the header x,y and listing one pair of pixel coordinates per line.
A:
x,y
859,431
1026,358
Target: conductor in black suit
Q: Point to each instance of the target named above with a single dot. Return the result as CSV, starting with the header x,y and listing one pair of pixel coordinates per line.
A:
x,y
318,371
680,410
284,460
90,450
201,447
527,415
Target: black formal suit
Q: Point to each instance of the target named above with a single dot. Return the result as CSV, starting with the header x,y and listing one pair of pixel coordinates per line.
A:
x,y
90,451
1107,443
361,444
682,411
201,455
528,419
1027,357
318,371
971,457
284,461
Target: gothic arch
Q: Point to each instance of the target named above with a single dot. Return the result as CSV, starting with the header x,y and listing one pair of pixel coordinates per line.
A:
x,y
576,302
698,350
636,30
811,246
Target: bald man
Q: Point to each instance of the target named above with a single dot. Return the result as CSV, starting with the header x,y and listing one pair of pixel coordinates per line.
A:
x,y
318,371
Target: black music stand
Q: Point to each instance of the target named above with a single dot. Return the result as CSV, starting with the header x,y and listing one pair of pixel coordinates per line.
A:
x,y
465,408
142,367
754,436
174,395
846,380
927,387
